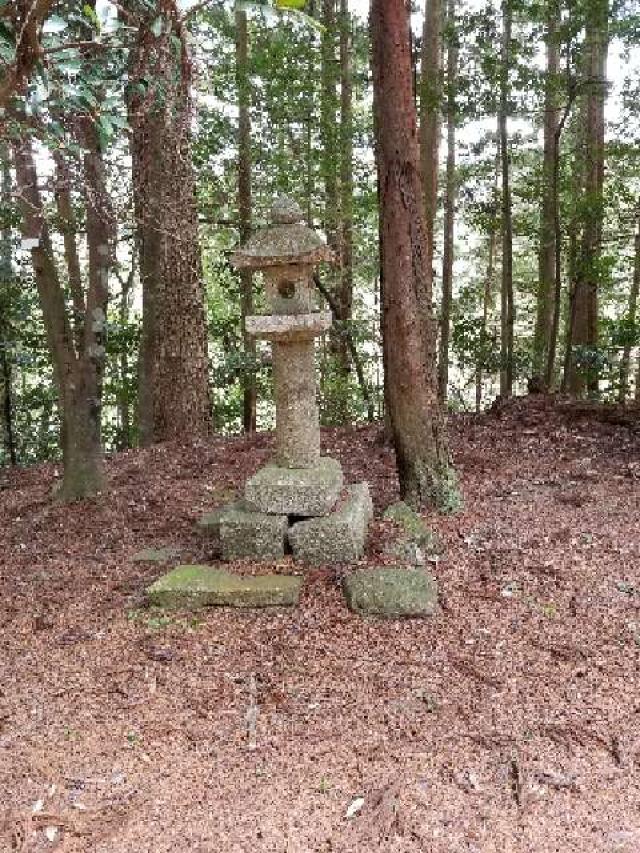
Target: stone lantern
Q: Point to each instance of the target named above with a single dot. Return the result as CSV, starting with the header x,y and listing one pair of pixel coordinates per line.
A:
x,y
298,501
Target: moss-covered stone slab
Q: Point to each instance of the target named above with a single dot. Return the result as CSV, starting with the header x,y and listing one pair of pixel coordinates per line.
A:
x,y
305,492
205,586
391,592
156,555
254,535
339,537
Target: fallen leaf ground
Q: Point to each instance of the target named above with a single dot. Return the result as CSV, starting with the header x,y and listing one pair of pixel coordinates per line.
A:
x,y
508,722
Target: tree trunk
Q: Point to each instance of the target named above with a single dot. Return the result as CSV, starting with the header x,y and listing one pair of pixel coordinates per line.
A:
x,y
6,280
124,404
67,225
623,390
77,376
346,183
424,471
449,206
430,115
486,302
174,398
244,213
544,328
507,317
584,327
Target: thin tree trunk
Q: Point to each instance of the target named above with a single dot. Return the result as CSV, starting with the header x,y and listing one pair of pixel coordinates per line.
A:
x,y
507,317
449,206
546,302
244,211
424,471
6,279
124,404
430,115
623,390
77,377
486,302
68,228
584,338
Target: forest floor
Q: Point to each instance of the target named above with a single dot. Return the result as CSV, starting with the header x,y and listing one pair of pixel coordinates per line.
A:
x,y
507,722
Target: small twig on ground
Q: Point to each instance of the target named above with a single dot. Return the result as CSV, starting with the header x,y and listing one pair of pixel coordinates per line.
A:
x,y
252,713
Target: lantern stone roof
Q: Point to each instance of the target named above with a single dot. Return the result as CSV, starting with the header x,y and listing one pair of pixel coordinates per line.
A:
x,y
287,241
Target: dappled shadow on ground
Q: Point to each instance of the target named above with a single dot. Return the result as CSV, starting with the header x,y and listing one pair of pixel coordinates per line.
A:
x,y
508,722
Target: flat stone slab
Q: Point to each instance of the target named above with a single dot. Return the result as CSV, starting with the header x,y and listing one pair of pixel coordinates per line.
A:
x,y
391,592
156,555
338,537
296,491
288,327
256,535
204,586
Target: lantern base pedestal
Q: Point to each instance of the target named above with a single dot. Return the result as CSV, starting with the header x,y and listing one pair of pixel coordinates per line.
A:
x,y
304,492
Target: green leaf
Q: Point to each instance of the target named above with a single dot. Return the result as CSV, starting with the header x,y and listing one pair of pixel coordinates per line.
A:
x,y
291,4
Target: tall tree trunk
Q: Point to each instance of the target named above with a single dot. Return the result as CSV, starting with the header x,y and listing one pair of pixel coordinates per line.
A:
x,y
346,181
584,327
449,205
244,213
430,115
507,317
544,328
424,471
6,280
174,398
623,390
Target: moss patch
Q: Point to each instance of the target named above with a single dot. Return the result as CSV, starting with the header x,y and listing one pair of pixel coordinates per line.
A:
x,y
205,586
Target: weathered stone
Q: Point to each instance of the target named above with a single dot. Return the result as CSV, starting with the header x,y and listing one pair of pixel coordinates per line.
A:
x,y
338,537
297,417
156,555
391,591
289,327
255,535
414,527
296,491
202,586
209,523
287,241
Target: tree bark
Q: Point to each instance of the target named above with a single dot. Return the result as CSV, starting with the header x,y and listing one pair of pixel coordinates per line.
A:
x,y
174,398
486,303
6,279
623,390
68,227
584,326
77,375
430,115
426,478
244,212
345,301
449,206
544,328
507,317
